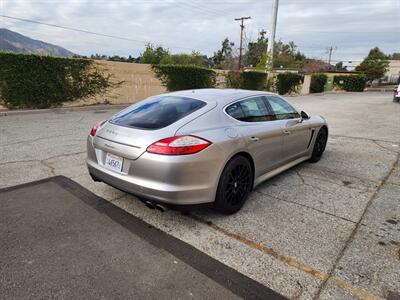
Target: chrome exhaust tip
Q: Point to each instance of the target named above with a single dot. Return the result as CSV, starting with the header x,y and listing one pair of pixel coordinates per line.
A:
x,y
150,205
160,207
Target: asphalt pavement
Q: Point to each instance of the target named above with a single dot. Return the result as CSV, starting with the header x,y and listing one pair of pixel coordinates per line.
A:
x,y
60,241
329,230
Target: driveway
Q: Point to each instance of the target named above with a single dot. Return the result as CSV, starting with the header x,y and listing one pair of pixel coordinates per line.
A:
x,y
329,230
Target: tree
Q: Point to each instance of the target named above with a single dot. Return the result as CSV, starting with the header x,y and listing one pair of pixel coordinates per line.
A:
x,y
311,65
153,55
223,59
287,56
375,65
339,67
395,56
195,58
262,61
256,50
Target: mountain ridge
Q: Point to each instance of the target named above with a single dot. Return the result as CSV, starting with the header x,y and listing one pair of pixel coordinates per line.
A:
x,y
12,41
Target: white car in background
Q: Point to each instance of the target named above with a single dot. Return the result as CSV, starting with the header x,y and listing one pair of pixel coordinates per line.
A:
x,y
396,95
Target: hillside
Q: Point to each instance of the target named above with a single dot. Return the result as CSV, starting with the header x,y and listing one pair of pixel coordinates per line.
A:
x,y
14,42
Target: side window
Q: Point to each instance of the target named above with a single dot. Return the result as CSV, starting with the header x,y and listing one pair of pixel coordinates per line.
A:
x,y
250,110
282,109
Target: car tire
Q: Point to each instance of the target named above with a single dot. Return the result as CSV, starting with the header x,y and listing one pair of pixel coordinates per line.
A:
x,y
319,145
235,185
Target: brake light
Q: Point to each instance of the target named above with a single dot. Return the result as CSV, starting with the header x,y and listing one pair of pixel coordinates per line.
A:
x,y
179,145
96,127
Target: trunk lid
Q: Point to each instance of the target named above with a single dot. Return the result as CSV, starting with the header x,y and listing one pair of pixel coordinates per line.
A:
x,y
132,142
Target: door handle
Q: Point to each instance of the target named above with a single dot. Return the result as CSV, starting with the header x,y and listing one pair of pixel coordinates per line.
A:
x,y
286,132
254,138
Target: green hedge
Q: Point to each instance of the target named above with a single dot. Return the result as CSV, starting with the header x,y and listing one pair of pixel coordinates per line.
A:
x,y
318,82
350,83
33,81
246,80
288,82
254,80
234,79
184,77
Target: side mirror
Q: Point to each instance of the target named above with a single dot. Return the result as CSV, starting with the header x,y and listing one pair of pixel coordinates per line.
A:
x,y
304,115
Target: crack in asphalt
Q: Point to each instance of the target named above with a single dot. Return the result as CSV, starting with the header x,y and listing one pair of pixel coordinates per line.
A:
x,y
34,140
362,138
384,148
365,189
42,161
43,138
355,230
304,205
365,181
46,164
360,293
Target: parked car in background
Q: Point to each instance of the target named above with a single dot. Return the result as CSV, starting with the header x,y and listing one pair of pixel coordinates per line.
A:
x,y
396,94
202,146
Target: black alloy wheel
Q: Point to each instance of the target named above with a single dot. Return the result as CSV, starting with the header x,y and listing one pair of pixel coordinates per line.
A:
x,y
319,145
235,185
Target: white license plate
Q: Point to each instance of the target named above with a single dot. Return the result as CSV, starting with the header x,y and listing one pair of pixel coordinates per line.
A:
x,y
114,162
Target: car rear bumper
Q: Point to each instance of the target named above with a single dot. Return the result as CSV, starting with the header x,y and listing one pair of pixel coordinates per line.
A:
x,y
177,180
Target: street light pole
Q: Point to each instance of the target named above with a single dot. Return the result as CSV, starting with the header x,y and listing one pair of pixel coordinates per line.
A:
x,y
271,38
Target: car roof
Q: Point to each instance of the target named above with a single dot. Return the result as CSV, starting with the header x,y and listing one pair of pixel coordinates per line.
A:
x,y
221,96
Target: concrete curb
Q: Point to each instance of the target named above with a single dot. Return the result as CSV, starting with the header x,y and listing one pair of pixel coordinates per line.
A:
x,y
62,109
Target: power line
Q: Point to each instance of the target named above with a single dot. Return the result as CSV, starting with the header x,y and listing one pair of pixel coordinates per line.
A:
x,y
87,31
197,9
210,12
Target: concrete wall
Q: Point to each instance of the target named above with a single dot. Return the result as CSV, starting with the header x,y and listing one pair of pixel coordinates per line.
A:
x,y
139,83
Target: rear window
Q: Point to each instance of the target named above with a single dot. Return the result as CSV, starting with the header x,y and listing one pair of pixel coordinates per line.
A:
x,y
158,113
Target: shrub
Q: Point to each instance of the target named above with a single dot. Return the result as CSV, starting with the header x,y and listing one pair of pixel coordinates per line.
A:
x,y
33,81
254,80
246,80
288,82
350,83
234,79
318,82
184,77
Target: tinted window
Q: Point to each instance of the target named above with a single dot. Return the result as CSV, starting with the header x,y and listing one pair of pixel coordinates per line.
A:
x,y
250,110
158,113
282,109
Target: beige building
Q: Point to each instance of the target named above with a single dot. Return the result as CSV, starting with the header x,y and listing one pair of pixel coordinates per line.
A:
x,y
393,73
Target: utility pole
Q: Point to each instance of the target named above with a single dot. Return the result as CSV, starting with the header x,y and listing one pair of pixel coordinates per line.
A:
x,y
241,39
271,38
330,54
330,50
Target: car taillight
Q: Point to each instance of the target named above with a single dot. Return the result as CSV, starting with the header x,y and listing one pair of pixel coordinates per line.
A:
x,y
96,127
179,145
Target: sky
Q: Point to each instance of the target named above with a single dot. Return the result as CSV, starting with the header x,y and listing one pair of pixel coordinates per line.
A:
x,y
351,27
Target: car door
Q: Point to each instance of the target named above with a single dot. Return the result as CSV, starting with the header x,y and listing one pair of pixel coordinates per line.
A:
x,y
263,134
297,131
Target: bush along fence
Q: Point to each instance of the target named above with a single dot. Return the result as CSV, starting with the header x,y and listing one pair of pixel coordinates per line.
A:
x,y
350,83
33,81
246,80
318,82
184,77
288,82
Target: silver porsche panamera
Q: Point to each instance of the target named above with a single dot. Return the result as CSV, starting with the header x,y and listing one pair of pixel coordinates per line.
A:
x,y
202,146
